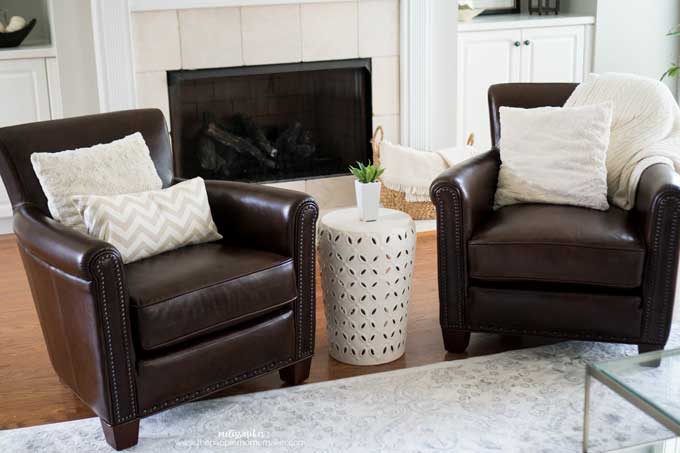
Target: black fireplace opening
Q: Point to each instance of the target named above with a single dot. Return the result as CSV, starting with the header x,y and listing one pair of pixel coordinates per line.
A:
x,y
271,123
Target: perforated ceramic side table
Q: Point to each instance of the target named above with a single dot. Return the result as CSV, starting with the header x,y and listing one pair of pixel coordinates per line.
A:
x,y
366,273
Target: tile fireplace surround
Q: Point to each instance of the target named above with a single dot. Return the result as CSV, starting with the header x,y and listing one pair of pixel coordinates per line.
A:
x,y
237,36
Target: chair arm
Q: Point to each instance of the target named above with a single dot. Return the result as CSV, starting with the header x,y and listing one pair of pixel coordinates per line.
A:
x,y
79,290
463,196
658,185
472,184
264,217
281,221
657,208
61,247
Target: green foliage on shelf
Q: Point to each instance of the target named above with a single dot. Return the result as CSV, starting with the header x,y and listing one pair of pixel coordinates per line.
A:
x,y
674,70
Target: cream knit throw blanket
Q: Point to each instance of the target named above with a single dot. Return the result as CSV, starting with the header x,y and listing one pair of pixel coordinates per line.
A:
x,y
645,128
412,171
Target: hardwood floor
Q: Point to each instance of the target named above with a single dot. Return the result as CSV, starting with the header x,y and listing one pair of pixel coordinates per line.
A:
x,y
31,394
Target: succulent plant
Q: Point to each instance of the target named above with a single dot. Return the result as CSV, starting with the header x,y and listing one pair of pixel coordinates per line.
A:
x,y
367,173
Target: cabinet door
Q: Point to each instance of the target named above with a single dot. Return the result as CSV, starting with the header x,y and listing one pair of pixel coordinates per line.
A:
x,y
553,54
25,98
484,59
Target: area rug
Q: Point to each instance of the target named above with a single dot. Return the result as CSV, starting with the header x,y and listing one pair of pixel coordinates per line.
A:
x,y
527,400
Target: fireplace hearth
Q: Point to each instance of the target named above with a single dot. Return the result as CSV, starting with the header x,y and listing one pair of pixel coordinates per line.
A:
x,y
271,123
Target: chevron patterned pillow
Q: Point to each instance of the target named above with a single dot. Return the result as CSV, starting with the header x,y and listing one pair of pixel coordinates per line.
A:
x,y
145,224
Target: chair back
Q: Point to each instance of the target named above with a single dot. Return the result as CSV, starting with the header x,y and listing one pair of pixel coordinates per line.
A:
x,y
17,143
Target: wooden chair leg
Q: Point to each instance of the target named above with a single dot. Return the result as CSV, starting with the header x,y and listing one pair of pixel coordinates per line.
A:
x,y
642,348
122,436
456,341
654,363
296,373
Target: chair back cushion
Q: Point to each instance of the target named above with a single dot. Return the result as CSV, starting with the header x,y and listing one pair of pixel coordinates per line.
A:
x,y
122,166
17,143
554,155
525,96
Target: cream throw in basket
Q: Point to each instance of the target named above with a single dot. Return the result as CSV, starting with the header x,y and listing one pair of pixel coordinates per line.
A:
x,y
409,173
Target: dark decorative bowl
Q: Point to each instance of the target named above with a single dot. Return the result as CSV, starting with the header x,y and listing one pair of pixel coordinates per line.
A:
x,y
15,38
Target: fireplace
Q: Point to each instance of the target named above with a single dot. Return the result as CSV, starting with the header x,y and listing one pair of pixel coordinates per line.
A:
x,y
271,123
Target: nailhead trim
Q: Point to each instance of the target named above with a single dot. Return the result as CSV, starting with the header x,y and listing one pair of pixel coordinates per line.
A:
x,y
306,266
664,249
100,260
269,367
443,252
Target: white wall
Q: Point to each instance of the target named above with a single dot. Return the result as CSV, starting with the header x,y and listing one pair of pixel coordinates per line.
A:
x,y
631,37
428,73
76,58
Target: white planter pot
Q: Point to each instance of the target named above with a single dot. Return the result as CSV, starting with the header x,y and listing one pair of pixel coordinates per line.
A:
x,y
368,200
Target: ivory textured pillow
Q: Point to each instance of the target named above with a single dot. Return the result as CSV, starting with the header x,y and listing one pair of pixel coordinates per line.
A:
x,y
554,155
144,224
122,166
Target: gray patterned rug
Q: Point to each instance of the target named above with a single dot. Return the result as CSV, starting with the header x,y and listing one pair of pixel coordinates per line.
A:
x,y
520,401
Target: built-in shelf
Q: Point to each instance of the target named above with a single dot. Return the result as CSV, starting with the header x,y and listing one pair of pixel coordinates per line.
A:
x,y
28,51
506,21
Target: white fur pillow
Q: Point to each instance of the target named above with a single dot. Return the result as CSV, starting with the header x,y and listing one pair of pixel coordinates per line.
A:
x,y
144,224
122,166
554,155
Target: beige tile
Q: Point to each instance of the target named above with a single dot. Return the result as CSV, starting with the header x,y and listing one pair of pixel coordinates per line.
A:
x,y
390,125
385,78
378,28
210,37
300,185
329,31
155,39
152,92
271,34
332,192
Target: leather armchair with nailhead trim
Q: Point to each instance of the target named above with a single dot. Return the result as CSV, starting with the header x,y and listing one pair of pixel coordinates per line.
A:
x,y
548,270
132,340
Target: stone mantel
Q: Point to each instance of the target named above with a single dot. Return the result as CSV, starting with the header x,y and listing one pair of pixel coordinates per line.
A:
x,y
157,5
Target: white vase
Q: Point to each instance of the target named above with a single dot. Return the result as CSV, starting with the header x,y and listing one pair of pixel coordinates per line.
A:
x,y
368,200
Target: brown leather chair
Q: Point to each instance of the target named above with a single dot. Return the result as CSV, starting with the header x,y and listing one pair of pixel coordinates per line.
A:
x,y
132,340
548,270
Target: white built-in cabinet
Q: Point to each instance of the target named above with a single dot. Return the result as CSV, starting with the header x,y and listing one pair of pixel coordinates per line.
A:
x,y
24,90
29,88
505,51
24,86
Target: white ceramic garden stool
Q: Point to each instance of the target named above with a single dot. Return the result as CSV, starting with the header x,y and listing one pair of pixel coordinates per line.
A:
x,y
366,273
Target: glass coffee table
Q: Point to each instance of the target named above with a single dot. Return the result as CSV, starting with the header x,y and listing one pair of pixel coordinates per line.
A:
x,y
651,383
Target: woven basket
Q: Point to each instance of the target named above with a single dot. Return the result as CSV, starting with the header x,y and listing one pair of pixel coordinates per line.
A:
x,y
393,199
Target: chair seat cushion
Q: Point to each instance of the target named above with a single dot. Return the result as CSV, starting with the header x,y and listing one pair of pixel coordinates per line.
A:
x,y
558,244
200,289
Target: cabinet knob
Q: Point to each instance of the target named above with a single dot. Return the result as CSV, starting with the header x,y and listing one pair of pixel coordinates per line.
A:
x,y
517,43
527,43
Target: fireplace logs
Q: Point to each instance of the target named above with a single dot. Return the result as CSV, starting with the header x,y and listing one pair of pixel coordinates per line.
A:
x,y
240,147
270,123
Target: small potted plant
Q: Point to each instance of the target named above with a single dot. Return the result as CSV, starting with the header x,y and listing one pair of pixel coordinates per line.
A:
x,y
367,190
